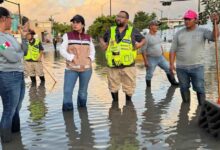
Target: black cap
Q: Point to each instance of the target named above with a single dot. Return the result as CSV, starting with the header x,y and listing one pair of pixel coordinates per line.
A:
x,y
32,32
4,12
78,18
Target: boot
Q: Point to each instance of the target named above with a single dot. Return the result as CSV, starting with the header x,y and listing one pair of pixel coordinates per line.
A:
x,y
128,98
115,96
42,79
15,123
148,82
185,96
201,98
172,80
33,79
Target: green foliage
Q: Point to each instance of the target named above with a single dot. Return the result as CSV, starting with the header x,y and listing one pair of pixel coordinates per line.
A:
x,y
61,28
142,19
163,25
100,25
210,7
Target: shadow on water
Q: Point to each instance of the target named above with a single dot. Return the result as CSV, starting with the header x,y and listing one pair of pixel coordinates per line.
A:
x,y
123,127
84,139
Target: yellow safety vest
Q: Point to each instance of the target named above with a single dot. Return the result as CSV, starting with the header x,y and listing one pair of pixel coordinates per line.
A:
x,y
33,52
122,53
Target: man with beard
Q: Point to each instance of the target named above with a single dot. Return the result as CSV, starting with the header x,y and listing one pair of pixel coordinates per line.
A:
x,y
121,43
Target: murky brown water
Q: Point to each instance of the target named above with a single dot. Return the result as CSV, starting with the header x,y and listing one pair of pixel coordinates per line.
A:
x,y
155,119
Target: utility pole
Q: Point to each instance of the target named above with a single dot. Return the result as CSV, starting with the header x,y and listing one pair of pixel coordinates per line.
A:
x,y
198,6
110,8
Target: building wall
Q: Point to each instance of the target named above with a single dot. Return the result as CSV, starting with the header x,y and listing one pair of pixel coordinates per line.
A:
x,y
42,30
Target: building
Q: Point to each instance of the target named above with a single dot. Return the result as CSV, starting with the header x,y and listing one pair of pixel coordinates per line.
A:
x,y
173,22
43,30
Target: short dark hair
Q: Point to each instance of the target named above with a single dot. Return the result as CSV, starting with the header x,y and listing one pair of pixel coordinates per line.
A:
x,y
126,13
4,12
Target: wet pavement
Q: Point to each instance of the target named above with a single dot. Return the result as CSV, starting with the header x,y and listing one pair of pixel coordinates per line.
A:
x,y
155,119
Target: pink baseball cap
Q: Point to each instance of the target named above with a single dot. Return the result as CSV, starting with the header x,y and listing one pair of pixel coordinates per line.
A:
x,y
190,14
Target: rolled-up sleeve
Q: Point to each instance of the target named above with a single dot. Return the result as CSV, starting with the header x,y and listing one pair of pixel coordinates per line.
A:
x,y
63,49
92,51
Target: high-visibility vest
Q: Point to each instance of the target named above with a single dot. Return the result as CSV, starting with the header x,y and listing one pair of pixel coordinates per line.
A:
x,y
33,52
122,53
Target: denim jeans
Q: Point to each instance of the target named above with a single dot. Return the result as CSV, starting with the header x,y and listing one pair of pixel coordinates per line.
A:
x,y
12,89
69,84
153,62
194,75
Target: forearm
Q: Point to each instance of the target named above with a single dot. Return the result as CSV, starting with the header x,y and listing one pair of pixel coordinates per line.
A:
x,y
172,58
140,44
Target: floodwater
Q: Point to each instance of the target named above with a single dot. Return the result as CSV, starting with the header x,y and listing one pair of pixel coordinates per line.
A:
x,y
156,119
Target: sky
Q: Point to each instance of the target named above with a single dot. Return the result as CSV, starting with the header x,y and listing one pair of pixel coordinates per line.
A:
x,y
64,10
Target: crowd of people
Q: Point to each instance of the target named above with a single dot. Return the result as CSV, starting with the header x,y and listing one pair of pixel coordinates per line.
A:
x,y
120,43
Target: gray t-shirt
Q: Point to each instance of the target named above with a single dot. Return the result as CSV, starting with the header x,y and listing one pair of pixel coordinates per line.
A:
x,y
11,57
152,45
189,46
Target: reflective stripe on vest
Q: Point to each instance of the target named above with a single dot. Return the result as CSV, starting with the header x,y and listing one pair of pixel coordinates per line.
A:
x,y
122,53
33,52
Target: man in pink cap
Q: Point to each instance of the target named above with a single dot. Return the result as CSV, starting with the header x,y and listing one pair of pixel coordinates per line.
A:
x,y
187,47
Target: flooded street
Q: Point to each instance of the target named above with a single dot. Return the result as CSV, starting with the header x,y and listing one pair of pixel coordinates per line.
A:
x,y
156,119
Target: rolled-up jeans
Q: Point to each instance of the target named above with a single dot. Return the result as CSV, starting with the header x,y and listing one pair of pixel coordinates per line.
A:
x,y
12,89
194,75
70,79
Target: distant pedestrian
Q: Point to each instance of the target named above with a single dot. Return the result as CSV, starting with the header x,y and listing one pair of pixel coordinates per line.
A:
x,y
121,43
152,53
12,86
79,51
188,46
33,58
55,43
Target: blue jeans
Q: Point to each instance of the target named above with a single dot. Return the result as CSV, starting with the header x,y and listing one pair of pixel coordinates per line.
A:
x,y
69,84
12,89
194,75
153,62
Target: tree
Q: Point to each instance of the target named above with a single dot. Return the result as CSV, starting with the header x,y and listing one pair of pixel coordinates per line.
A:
x,y
100,25
210,7
142,19
61,28
163,25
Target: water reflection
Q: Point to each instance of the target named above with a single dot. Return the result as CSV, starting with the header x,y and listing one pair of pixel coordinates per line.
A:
x,y
84,139
37,106
151,127
123,127
38,111
16,144
182,137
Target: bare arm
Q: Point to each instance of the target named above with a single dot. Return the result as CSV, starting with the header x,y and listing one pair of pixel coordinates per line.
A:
x,y
172,58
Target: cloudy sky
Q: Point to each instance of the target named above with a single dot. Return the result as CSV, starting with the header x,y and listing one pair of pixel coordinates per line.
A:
x,y
63,10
